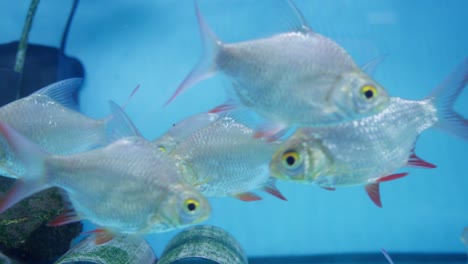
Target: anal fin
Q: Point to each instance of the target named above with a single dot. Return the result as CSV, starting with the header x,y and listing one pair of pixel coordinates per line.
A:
x,y
392,177
68,216
373,190
271,189
102,235
416,161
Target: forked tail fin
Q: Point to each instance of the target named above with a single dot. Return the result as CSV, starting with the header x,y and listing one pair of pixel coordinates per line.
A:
x,y
444,97
24,160
206,67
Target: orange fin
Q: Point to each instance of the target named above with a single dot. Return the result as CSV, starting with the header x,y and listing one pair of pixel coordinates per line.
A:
x,y
228,106
68,216
416,161
271,131
248,197
373,190
271,189
102,235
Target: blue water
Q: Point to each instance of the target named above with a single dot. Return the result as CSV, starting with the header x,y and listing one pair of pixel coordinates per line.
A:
x,y
156,43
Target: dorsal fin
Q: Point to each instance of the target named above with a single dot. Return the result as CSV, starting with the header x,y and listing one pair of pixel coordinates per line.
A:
x,y
63,92
299,24
371,65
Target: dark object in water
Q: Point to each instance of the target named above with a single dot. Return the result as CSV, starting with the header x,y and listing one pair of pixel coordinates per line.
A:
x,y
203,245
123,249
43,65
23,231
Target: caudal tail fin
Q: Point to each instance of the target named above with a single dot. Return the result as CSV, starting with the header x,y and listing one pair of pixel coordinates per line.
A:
x,y
21,159
444,97
206,67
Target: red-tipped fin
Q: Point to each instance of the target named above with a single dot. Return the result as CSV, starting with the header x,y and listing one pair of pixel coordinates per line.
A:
x,y
228,106
392,177
418,162
271,131
68,216
273,190
444,97
102,235
248,197
373,190
206,67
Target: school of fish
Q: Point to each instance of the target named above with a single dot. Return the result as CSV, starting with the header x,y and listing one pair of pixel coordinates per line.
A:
x,y
346,130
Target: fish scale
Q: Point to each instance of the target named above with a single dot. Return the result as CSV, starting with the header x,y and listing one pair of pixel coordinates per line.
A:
x,y
223,159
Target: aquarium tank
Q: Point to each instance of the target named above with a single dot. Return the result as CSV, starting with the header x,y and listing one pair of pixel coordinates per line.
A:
x,y
137,54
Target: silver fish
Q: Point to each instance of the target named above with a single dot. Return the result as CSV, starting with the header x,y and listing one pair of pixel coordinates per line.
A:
x,y
127,187
219,156
369,150
50,118
293,78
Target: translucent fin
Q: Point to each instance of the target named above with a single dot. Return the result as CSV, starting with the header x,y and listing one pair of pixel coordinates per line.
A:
x,y
63,92
444,97
101,235
271,131
25,159
270,188
300,23
228,106
131,96
371,66
119,125
206,67
186,127
18,155
387,256
248,197
416,161
373,190
68,216
21,189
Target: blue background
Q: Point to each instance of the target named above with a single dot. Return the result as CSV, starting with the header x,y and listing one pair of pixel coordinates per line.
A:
x,y
156,43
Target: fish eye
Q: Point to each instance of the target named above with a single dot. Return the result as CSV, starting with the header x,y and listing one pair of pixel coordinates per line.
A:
x,y
191,205
368,91
291,159
162,149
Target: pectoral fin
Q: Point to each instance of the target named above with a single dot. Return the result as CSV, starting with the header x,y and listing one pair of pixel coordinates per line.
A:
x,y
248,197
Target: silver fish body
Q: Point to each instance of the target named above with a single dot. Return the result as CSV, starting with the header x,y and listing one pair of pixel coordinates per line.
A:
x,y
294,78
57,128
356,152
369,150
299,78
223,159
125,187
